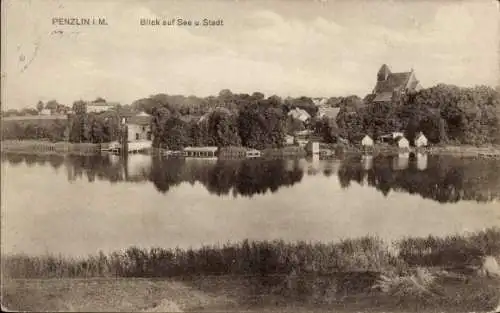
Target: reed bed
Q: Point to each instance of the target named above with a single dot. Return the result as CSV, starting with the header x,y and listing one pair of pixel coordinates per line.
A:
x,y
265,258
450,251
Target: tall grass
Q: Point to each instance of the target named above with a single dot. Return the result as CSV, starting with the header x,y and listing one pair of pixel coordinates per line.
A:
x,y
453,250
261,258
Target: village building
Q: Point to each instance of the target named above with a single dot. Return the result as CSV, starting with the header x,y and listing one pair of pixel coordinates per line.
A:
x,y
421,141
320,101
299,114
403,143
391,138
302,137
138,127
328,112
100,106
45,112
342,140
289,140
396,135
391,87
206,116
367,141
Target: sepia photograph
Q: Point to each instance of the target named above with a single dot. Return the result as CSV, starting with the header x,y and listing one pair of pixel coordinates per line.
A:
x,y
250,156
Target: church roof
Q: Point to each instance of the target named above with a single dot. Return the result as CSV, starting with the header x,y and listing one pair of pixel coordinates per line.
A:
x,y
394,81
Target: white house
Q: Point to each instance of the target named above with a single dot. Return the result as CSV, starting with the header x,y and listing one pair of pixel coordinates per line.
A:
x,y
289,139
328,112
421,140
403,143
45,112
302,137
320,101
396,135
139,127
101,106
367,141
299,114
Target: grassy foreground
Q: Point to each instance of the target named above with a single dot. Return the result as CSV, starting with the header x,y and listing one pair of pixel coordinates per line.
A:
x,y
230,294
356,275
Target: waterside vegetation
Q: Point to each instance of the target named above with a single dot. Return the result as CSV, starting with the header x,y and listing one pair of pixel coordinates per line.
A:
x,y
269,258
445,274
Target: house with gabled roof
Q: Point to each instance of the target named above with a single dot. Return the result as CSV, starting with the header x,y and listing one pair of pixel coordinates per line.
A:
x,y
100,106
393,86
139,127
328,112
299,114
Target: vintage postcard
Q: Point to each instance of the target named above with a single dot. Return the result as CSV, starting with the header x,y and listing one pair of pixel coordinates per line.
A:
x,y
256,156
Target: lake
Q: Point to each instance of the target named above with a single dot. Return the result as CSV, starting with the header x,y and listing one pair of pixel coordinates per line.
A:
x,y
78,205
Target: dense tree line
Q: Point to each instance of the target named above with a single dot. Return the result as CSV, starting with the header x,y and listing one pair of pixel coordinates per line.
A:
x,y
257,124
92,127
52,130
444,113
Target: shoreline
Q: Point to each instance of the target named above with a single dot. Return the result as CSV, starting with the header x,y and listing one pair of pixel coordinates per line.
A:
x,y
327,150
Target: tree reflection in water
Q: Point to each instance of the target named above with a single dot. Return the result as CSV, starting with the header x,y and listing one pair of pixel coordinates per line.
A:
x,y
444,178
241,177
440,178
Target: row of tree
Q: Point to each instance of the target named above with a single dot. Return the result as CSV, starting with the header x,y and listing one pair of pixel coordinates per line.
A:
x,y
444,113
52,130
52,105
260,124
93,127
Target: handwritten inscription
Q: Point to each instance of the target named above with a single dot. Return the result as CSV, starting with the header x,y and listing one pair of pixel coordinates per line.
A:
x,y
206,22
79,21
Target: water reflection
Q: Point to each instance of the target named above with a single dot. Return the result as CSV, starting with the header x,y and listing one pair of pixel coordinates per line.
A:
x,y
441,178
421,161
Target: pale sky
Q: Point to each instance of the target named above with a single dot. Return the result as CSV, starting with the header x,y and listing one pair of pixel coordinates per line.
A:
x,y
289,48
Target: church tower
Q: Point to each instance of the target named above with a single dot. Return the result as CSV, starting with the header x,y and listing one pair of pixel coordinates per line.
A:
x,y
383,73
